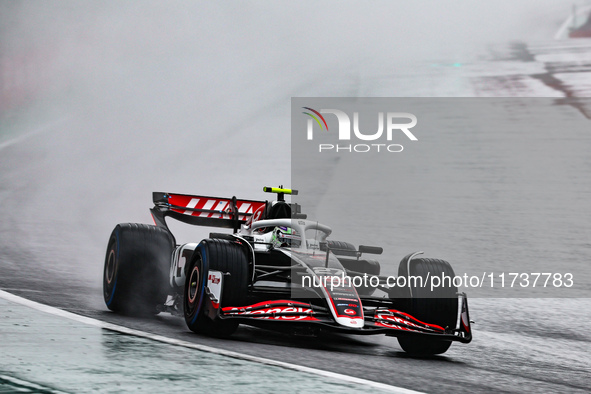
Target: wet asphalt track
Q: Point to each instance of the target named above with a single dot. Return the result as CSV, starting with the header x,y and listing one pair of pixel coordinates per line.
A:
x,y
62,190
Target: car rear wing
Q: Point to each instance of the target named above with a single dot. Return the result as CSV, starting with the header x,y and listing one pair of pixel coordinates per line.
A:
x,y
203,210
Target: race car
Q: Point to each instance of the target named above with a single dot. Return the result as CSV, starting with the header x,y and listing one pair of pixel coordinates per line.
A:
x,y
276,270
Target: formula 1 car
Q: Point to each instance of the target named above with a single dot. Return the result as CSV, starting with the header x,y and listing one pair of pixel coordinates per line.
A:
x,y
277,270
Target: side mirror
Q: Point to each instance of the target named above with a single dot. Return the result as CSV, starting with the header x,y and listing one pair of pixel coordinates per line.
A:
x,y
371,249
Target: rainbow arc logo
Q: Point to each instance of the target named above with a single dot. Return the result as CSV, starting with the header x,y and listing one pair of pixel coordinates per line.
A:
x,y
318,115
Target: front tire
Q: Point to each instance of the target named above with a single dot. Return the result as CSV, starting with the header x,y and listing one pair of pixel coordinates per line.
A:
x,y
137,264
219,255
439,306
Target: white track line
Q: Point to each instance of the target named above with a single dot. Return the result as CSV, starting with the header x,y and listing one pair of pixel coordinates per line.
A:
x,y
29,385
142,334
39,130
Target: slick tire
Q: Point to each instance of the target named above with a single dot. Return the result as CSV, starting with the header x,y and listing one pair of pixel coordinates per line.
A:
x,y
439,306
137,265
230,259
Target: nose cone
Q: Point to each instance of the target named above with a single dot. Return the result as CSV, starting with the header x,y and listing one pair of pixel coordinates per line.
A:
x,y
353,322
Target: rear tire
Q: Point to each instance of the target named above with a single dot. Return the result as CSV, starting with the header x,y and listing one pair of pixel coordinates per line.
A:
x,y
341,248
137,265
219,255
369,267
439,306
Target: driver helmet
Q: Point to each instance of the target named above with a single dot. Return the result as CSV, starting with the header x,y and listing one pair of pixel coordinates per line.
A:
x,y
285,236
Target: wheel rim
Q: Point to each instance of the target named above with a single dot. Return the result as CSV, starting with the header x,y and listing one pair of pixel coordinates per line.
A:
x,y
110,268
193,285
